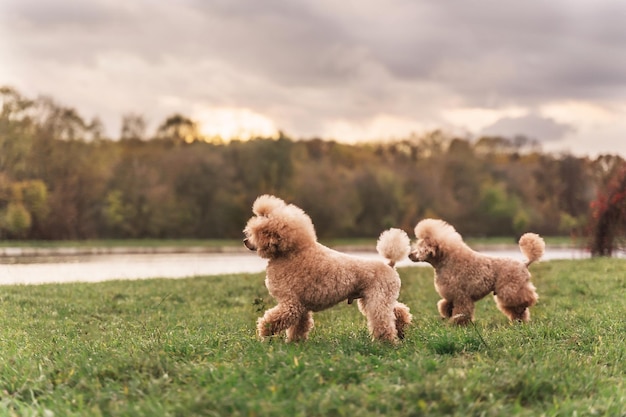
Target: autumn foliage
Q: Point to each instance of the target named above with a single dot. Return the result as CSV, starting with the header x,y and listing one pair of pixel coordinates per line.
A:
x,y
62,177
608,215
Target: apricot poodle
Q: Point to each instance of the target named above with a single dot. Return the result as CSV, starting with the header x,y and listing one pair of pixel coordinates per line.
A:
x,y
305,276
463,276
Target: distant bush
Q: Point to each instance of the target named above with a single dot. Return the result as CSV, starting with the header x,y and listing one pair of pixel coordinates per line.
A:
x,y
608,218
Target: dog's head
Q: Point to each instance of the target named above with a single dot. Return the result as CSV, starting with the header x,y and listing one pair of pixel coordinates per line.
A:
x,y
278,229
434,240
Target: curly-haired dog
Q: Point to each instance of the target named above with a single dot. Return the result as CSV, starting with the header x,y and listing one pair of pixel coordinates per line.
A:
x,y
305,276
463,276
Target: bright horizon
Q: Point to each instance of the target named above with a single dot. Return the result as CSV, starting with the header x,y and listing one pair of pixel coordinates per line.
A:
x,y
229,123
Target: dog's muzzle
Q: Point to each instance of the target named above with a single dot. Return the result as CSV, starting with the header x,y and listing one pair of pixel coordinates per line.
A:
x,y
413,256
248,244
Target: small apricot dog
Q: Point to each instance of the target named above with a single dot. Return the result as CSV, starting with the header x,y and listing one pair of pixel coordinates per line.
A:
x,y
463,276
305,276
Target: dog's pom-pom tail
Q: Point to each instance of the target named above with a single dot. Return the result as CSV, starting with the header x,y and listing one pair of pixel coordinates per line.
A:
x,y
266,204
532,246
394,245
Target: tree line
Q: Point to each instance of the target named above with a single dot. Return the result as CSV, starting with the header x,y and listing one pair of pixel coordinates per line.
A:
x,y
60,178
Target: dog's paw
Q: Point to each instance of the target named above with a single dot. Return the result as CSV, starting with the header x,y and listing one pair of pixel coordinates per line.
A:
x,y
461,319
264,329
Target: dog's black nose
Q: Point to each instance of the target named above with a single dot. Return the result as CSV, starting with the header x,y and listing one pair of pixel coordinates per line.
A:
x,y
248,244
413,257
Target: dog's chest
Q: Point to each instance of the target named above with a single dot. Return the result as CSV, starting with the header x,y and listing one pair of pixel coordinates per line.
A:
x,y
446,285
439,284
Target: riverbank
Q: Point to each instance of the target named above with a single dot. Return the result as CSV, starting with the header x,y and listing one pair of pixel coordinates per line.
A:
x,y
10,249
30,251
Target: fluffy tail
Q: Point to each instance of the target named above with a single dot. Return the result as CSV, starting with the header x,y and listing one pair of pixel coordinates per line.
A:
x,y
532,246
394,245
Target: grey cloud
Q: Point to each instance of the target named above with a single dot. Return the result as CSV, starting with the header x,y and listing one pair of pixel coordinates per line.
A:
x,y
51,14
533,126
285,42
309,60
486,48
522,51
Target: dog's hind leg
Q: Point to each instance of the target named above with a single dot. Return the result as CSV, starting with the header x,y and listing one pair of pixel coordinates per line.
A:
x,y
519,313
403,318
279,318
381,318
300,330
445,308
515,301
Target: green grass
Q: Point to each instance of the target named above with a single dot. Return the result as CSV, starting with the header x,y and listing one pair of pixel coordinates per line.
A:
x,y
187,347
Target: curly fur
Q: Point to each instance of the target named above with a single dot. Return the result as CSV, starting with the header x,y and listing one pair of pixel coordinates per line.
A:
x,y
305,276
463,276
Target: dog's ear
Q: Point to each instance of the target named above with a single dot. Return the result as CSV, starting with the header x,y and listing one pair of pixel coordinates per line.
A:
x,y
272,244
435,251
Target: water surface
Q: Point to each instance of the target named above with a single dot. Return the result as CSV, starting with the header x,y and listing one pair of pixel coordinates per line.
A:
x,y
95,268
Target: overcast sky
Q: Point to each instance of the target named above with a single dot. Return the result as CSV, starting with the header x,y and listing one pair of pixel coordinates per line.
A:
x,y
348,70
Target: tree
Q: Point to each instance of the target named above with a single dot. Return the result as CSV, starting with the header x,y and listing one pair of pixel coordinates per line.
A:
x,y
461,180
94,130
202,182
500,212
380,195
608,215
433,143
178,129
16,220
493,145
64,123
23,206
16,132
133,127
262,165
325,191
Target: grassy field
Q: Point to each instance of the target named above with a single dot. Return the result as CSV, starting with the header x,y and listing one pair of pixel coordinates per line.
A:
x,y
187,347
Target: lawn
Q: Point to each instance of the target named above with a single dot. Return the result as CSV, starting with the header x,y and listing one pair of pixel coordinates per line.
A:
x,y
187,347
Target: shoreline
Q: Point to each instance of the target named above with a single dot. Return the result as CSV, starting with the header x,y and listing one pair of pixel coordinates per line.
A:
x,y
34,251
19,251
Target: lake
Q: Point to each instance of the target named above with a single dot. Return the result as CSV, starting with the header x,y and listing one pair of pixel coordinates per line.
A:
x,y
15,268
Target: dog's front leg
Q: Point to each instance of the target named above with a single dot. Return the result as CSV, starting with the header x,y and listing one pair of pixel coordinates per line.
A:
x,y
279,319
300,331
462,312
403,318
